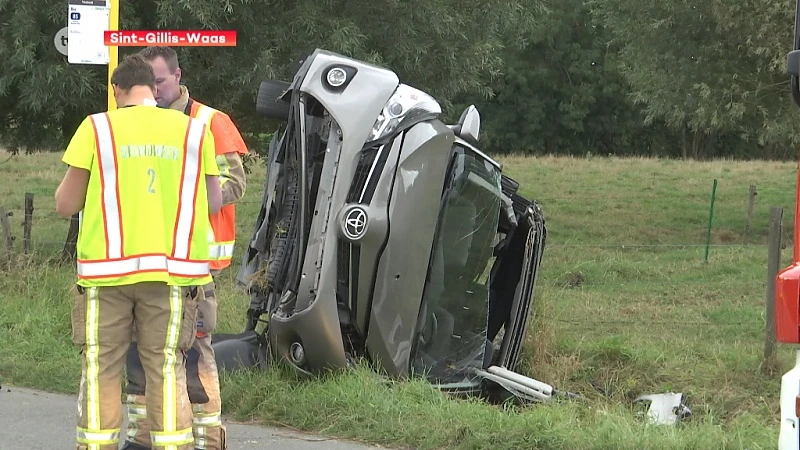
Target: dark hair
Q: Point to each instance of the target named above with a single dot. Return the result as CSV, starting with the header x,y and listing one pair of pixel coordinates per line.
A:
x,y
134,70
168,53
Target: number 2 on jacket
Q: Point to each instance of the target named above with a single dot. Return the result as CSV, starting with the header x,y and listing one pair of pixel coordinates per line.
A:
x,y
152,174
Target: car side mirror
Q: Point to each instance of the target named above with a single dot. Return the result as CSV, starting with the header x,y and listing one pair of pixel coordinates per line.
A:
x,y
470,125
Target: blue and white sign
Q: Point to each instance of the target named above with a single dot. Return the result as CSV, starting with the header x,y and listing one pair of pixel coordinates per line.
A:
x,y
88,19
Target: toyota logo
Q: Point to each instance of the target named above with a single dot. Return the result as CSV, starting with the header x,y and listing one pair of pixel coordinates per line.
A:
x,y
355,223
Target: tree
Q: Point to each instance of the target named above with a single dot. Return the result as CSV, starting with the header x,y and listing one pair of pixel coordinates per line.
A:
x,y
562,92
446,47
710,69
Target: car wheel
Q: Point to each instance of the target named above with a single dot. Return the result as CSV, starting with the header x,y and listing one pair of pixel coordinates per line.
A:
x,y
269,103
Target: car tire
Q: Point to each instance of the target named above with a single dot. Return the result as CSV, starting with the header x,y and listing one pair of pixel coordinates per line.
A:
x,y
269,103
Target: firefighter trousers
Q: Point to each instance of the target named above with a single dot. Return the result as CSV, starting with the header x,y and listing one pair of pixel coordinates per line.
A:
x,y
162,320
202,382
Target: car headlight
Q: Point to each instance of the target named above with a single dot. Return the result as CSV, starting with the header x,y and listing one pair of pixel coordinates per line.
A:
x,y
407,104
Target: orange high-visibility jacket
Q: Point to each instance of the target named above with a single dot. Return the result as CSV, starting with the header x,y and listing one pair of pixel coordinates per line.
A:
x,y
227,139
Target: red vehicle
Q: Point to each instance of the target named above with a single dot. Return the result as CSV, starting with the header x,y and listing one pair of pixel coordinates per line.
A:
x,y
787,291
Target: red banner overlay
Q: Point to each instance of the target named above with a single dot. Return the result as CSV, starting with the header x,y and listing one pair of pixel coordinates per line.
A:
x,y
175,38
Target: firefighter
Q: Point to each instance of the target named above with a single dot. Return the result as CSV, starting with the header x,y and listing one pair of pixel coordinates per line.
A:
x,y
203,380
144,181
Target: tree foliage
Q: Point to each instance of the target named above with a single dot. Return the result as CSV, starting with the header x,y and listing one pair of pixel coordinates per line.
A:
x,y
444,46
560,92
691,78
707,68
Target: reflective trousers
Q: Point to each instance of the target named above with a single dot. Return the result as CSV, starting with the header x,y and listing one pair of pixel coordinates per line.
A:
x,y
104,320
202,383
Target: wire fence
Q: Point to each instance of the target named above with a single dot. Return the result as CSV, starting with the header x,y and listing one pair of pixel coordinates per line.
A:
x,y
612,262
733,226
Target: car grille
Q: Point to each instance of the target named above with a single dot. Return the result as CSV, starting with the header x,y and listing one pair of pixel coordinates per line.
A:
x,y
365,179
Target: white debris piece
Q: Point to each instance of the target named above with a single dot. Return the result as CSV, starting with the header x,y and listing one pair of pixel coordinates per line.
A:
x,y
665,409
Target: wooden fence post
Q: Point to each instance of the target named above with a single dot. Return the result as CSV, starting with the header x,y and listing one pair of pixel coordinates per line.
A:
x,y
5,224
27,225
773,266
710,218
751,201
8,239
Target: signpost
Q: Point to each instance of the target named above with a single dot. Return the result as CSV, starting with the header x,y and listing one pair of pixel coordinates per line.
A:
x,y
92,36
87,21
113,25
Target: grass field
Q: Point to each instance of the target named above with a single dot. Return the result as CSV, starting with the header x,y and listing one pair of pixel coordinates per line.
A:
x,y
629,307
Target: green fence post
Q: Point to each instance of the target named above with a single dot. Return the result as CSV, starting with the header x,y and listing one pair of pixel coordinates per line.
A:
x,y
710,218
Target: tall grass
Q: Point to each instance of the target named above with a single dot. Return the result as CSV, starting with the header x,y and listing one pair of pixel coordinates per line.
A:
x,y
628,306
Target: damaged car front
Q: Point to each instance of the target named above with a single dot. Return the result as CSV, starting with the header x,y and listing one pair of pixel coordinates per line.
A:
x,y
388,235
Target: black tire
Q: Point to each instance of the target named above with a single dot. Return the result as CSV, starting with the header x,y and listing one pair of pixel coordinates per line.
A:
x,y
269,103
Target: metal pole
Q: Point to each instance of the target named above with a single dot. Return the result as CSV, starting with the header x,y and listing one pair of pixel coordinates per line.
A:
x,y
710,218
113,51
751,201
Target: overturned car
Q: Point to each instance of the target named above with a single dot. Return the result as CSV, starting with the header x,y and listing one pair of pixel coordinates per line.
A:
x,y
386,234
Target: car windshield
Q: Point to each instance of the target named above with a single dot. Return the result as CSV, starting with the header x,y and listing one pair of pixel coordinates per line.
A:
x,y
455,308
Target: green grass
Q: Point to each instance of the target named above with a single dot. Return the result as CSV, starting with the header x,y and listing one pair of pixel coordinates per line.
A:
x,y
629,307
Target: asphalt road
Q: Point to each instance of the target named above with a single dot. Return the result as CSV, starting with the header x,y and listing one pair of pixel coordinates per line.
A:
x,y
35,420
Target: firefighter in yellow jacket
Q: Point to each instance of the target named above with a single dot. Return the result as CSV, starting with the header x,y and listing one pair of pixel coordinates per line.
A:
x,y
202,376
144,181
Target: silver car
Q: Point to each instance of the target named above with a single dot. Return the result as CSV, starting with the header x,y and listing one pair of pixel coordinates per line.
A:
x,y
386,234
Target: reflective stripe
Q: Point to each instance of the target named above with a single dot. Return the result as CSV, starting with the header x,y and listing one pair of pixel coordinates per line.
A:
x,y
222,250
202,421
224,169
219,251
204,113
99,437
200,435
188,192
92,373
169,394
107,160
163,439
148,263
207,420
199,440
137,411
133,425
